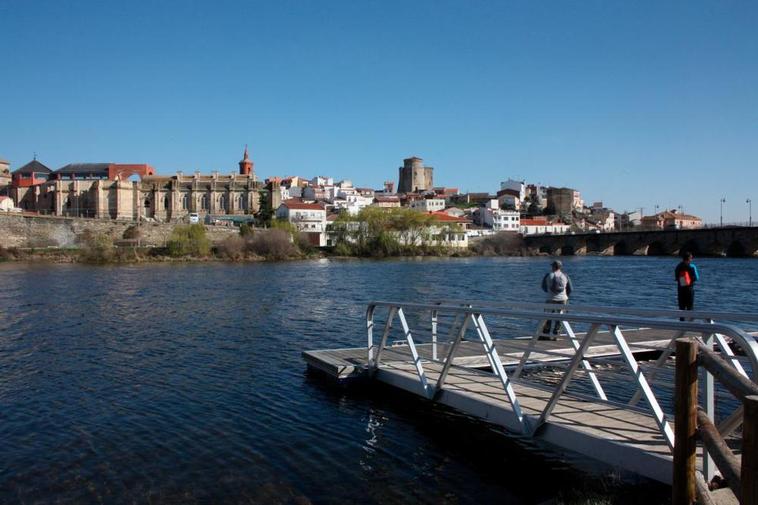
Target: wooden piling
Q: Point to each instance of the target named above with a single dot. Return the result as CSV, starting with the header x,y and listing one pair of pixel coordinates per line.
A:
x,y
685,409
749,471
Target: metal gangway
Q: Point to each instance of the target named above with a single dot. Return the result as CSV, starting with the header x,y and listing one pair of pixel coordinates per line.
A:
x,y
604,396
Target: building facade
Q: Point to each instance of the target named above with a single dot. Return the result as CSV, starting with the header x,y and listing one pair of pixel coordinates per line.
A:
x,y
104,191
501,220
428,204
308,218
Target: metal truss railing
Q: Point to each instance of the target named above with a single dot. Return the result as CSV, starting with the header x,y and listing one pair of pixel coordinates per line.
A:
x,y
468,316
711,339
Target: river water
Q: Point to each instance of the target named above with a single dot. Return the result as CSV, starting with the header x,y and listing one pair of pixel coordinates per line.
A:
x,y
184,383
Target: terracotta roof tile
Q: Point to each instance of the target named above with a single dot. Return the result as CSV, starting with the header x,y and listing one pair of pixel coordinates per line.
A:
x,y
299,205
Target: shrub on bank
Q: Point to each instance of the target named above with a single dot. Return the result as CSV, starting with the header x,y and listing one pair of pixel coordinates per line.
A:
x,y
232,248
189,240
97,248
272,244
245,230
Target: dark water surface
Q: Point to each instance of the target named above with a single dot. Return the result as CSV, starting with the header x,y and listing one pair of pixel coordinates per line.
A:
x,y
184,383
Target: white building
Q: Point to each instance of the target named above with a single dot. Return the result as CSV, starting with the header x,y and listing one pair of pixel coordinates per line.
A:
x,y
353,203
515,185
428,205
501,220
540,226
308,218
321,181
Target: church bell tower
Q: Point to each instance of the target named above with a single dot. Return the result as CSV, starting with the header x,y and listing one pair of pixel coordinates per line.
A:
x,y
246,165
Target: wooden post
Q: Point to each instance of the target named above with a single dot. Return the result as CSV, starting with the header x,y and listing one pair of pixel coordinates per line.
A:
x,y
685,411
749,471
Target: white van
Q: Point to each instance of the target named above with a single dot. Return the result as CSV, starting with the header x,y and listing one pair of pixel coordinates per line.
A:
x,y
194,218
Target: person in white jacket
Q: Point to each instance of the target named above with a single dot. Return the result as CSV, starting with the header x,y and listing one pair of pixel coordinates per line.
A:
x,y
557,285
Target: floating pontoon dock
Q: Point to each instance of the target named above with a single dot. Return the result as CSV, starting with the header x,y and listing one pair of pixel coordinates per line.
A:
x,y
604,392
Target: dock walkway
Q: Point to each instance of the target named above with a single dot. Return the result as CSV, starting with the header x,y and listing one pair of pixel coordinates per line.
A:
x,y
579,409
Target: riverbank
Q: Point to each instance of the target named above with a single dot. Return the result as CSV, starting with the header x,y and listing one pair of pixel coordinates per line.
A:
x,y
131,255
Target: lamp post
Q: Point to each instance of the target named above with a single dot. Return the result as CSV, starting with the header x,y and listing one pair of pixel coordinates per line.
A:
x,y
721,212
749,203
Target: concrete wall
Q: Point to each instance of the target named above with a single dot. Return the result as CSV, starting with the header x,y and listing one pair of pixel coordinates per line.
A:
x,y
38,231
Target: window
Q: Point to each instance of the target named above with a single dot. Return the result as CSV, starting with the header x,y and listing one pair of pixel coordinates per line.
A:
x,y
165,202
204,202
222,202
242,203
185,202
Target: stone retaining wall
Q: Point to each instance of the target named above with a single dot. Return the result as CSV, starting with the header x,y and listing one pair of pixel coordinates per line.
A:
x,y
43,231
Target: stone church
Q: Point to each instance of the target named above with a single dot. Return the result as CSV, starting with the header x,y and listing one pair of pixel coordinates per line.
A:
x,y
105,191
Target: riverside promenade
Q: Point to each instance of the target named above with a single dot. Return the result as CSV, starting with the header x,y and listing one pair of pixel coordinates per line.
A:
x,y
604,388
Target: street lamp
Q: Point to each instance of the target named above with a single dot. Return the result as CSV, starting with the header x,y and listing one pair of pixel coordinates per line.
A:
x,y
721,213
749,203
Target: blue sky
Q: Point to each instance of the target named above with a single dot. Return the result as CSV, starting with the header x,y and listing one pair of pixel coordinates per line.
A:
x,y
636,104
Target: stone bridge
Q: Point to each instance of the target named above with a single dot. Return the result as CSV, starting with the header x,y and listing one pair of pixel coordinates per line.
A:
x,y
738,241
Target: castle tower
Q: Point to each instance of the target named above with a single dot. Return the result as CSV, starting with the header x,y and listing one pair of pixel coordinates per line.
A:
x,y
414,176
246,165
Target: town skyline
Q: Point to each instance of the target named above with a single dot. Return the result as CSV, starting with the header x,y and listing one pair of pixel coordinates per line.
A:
x,y
588,198
635,105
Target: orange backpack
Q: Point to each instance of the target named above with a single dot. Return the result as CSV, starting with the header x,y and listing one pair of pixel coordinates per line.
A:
x,y
684,279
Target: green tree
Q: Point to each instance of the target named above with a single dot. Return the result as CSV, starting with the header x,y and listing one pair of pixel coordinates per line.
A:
x,y
189,240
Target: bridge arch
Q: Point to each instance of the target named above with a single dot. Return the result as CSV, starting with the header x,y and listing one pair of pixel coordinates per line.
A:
x,y
546,249
736,250
656,248
568,250
621,248
691,246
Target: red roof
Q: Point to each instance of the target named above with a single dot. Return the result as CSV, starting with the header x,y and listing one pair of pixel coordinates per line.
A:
x,y
298,205
534,222
444,216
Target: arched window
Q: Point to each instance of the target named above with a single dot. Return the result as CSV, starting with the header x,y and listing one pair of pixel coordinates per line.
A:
x,y
147,204
242,203
185,201
204,202
222,202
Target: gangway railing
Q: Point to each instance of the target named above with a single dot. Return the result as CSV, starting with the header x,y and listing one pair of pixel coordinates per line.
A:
x,y
747,322
469,317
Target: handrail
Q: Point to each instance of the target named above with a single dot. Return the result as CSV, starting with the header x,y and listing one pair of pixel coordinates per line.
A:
x,y
471,316
692,423
649,312
747,342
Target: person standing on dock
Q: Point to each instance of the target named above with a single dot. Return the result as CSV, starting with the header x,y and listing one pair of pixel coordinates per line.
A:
x,y
686,275
558,287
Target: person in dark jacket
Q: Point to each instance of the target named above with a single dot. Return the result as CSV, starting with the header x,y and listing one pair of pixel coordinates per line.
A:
x,y
686,275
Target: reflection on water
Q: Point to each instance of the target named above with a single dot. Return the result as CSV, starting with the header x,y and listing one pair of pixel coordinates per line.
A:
x,y
184,384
